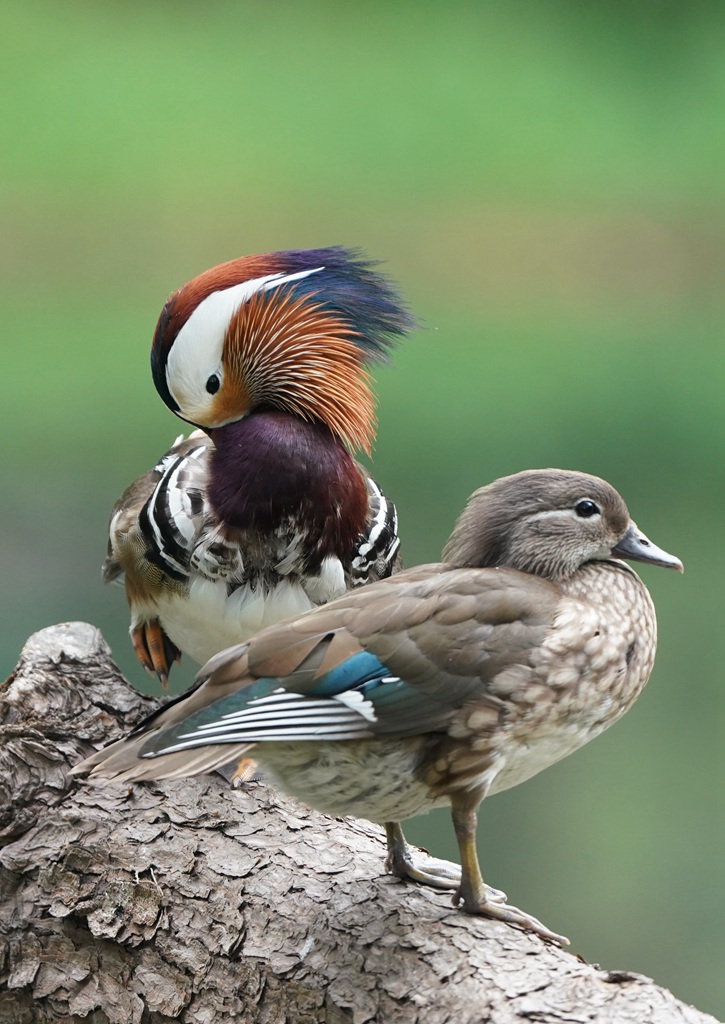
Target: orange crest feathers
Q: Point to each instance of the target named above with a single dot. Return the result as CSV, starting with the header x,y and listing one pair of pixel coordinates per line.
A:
x,y
294,354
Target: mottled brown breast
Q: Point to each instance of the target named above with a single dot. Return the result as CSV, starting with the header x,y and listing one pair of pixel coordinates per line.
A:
x,y
555,695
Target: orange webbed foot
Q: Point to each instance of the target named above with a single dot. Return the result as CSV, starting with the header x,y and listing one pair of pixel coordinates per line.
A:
x,y
154,649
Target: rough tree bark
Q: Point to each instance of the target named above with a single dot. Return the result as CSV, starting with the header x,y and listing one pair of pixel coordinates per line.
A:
x,y
192,902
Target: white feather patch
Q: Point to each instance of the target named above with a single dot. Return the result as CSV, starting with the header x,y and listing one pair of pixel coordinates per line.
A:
x,y
357,702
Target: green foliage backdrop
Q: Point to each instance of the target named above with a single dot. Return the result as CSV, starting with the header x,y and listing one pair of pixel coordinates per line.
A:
x,y
545,181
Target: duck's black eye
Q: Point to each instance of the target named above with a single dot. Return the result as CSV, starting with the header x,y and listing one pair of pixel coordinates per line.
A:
x,y
586,509
213,384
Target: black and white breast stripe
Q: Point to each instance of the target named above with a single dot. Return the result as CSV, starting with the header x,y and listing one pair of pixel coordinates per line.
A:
x,y
185,538
172,517
378,548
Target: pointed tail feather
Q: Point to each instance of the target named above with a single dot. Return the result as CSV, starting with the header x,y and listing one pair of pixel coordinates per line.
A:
x,y
122,761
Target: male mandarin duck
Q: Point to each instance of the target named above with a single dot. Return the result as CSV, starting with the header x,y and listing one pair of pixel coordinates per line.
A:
x,y
441,685
264,514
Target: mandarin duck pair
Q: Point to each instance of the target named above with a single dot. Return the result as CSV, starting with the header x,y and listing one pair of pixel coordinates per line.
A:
x,y
439,685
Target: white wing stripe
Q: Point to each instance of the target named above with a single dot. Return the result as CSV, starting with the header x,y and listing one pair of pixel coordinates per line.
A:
x,y
282,736
310,724
282,713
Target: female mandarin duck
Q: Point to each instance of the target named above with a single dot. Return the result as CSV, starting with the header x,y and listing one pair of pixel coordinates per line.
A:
x,y
441,685
266,514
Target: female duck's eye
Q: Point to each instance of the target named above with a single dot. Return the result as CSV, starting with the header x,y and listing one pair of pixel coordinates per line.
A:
x,y
213,384
587,508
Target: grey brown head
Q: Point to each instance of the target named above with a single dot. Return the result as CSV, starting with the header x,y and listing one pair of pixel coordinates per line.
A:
x,y
548,522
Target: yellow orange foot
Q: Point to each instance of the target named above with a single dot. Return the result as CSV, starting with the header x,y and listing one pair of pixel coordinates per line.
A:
x,y
154,649
245,771
239,773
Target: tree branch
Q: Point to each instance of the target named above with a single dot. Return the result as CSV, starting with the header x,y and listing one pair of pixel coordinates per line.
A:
x,y
189,901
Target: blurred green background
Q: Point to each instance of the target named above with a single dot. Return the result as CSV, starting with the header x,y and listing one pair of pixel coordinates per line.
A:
x,y
545,181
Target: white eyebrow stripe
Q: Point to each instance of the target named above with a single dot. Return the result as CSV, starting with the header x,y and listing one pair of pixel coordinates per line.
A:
x,y
286,278
556,513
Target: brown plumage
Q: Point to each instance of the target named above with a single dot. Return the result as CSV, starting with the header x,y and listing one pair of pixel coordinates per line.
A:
x,y
442,685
